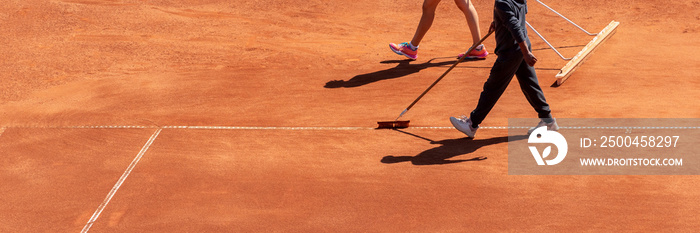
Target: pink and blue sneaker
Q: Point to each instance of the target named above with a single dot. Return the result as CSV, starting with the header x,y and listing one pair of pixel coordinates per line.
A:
x,y
477,53
405,49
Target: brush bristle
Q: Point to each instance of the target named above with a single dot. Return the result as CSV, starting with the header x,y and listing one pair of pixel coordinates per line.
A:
x,y
392,124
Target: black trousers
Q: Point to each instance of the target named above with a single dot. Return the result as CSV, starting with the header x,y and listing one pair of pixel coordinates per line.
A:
x,y
506,66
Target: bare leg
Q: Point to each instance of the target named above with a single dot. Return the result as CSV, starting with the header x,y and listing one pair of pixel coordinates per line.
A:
x,y
472,18
426,20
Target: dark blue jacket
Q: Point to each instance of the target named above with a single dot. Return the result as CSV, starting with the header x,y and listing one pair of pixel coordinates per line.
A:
x,y
509,19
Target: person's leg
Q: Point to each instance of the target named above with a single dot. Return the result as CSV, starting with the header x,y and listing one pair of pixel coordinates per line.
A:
x,y
426,21
472,19
533,92
469,11
501,74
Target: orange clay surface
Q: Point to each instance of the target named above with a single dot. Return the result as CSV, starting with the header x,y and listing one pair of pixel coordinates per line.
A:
x,y
322,65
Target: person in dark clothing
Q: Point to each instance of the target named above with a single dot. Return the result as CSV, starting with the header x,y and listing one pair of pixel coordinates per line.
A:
x,y
515,58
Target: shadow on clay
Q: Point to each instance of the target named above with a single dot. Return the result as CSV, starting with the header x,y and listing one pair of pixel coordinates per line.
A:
x,y
448,149
403,68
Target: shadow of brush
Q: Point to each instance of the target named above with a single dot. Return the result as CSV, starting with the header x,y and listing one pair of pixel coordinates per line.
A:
x,y
449,149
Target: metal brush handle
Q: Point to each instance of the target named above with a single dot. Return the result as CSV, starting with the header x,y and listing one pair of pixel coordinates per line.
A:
x,y
445,74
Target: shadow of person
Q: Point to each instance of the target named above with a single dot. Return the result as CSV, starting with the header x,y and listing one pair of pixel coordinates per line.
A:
x,y
403,68
449,149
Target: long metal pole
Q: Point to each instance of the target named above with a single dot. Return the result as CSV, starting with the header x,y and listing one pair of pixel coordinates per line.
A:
x,y
579,27
545,41
444,74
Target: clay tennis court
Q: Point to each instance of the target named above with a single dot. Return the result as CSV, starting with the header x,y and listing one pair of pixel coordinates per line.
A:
x,y
259,116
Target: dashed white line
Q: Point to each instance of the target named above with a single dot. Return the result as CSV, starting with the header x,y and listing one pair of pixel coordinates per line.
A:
x,y
265,128
120,182
293,128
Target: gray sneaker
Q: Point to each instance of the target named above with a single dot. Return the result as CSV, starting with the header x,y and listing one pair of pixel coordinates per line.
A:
x,y
550,126
464,125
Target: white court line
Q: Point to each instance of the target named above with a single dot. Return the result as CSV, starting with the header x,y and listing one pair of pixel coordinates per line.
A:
x,y
119,182
300,128
480,127
265,128
87,127
415,127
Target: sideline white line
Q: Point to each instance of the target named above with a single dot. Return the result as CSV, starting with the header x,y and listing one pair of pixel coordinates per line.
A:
x,y
119,182
2,130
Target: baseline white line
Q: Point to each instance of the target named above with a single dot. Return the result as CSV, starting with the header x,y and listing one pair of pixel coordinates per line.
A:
x,y
480,127
298,128
265,128
120,182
